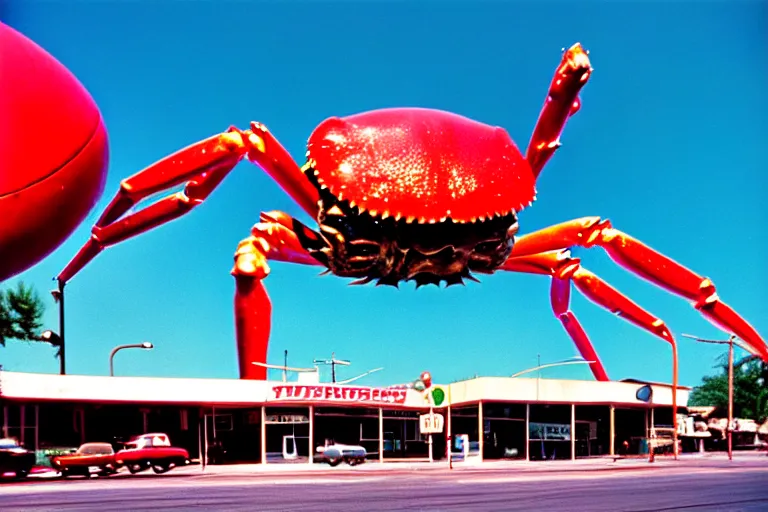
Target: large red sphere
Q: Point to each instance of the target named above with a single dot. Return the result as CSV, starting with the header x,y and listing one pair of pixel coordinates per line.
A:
x,y
426,164
53,153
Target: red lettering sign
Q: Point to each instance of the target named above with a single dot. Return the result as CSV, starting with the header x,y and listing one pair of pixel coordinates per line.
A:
x,y
296,393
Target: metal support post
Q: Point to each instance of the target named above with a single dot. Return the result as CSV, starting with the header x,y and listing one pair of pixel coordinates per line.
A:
x,y
612,449
573,431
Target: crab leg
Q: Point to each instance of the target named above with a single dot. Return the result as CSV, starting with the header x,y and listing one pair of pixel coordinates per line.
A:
x,y
271,239
565,270
203,166
561,103
646,263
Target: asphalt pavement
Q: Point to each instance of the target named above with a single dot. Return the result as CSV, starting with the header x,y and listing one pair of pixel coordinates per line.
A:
x,y
715,485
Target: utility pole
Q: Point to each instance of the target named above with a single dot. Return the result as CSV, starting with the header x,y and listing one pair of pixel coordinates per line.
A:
x,y
731,341
332,362
730,397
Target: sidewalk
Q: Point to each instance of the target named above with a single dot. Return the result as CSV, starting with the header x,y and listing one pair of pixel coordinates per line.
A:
x,y
592,464
691,460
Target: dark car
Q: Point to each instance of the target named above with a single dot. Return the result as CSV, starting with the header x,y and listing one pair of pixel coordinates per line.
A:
x,y
15,460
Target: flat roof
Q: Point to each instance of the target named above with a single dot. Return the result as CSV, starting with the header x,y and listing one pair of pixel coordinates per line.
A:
x,y
37,387
641,381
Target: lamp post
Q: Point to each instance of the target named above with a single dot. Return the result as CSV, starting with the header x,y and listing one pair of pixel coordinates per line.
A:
x,y
146,346
731,341
58,297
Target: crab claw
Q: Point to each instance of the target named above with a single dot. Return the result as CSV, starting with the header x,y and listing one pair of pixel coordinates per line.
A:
x,y
562,102
575,64
250,258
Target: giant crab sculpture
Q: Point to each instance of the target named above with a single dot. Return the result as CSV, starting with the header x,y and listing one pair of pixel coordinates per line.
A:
x,y
409,194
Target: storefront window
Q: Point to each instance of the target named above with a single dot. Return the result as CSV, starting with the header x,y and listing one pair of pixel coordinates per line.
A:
x,y
287,433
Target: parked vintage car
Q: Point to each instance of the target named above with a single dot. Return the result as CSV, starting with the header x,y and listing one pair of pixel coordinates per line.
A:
x,y
335,453
14,459
89,459
151,451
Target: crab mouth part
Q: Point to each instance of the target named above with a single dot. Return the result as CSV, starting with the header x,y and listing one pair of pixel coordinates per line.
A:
x,y
389,249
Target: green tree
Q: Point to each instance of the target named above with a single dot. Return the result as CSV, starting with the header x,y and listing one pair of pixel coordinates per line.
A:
x,y
21,313
750,394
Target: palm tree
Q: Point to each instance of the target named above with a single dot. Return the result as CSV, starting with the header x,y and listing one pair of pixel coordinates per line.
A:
x,y
750,393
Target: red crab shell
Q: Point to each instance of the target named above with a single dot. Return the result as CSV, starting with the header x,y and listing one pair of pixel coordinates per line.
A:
x,y
421,164
54,152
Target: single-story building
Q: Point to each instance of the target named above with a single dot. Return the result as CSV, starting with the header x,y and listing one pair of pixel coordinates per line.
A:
x,y
272,421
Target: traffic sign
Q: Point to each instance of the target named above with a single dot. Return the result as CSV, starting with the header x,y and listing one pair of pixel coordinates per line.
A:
x,y
431,423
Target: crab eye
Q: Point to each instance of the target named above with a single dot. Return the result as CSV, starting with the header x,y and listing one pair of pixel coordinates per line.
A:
x,y
488,247
365,247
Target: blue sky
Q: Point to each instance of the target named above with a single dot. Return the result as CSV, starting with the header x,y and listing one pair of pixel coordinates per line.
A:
x,y
669,145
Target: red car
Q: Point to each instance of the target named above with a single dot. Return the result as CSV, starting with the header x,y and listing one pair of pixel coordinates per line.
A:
x,y
89,459
151,451
139,453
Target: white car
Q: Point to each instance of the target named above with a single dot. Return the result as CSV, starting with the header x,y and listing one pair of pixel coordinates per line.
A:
x,y
335,453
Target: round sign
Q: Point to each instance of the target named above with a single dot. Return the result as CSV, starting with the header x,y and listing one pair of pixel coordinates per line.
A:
x,y
438,396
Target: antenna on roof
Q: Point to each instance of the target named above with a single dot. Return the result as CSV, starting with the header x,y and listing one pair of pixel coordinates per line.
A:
x,y
332,362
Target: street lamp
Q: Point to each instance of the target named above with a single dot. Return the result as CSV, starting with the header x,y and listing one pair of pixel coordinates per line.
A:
x,y
285,369
353,379
56,341
539,366
146,346
58,297
314,369
572,360
731,341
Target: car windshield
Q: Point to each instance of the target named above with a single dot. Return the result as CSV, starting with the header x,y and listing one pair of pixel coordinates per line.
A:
x,y
96,449
149,441
8,443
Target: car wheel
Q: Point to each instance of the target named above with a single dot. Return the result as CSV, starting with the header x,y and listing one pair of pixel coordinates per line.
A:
x,y
135,468
161,468
21,475
334,461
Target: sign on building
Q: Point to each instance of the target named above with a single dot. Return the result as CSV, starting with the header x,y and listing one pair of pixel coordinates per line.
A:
x,y
273,419
431,423
549,431
338,394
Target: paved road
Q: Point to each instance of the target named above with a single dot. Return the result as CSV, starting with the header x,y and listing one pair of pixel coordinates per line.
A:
x,y
721,489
